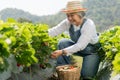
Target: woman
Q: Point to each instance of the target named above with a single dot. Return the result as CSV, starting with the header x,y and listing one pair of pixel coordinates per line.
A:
x,y
83,37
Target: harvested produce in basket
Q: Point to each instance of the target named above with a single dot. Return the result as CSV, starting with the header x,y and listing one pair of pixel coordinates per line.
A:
x,y
68,72
66,67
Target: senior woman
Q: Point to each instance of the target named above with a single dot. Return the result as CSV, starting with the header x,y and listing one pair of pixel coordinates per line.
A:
x,y
83,36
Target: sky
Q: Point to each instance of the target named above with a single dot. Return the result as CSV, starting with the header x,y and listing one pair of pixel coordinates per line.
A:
x,y
35,7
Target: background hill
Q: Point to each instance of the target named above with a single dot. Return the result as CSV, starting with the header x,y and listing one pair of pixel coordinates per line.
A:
x,y
105,14
17,13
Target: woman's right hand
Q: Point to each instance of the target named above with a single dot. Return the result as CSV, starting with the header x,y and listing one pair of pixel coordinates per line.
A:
x,y
56,54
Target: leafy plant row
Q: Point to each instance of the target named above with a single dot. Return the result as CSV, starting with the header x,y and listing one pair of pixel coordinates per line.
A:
x,y
29,43
110,41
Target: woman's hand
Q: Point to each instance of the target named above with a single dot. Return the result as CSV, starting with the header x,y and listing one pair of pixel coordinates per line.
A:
x,y
56,54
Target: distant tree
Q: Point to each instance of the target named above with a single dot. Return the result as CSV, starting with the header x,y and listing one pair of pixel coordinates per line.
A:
x,y
21,20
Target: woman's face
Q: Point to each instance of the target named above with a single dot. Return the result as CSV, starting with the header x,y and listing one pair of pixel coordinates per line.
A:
x,y
74,18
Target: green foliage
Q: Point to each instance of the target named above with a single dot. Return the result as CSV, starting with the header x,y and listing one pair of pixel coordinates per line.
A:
x,y
116,64
110,41
3,64
10,20
30,43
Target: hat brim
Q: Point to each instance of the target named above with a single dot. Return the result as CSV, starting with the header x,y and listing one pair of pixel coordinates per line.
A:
x,y
73,10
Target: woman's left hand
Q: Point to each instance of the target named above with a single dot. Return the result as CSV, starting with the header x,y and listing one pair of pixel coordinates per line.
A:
x,y
56,54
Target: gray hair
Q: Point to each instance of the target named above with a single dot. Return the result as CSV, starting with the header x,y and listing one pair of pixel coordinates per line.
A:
x,y
81,14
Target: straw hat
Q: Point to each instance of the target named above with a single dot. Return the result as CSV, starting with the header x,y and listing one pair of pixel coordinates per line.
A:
x,y
73,6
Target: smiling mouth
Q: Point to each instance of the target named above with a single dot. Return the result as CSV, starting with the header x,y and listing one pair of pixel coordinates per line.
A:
x,y
72,21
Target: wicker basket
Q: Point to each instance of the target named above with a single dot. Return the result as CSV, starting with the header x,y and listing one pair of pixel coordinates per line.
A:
x,y
68,72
